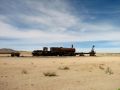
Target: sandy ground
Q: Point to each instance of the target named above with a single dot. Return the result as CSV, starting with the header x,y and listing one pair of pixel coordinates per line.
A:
x,y
83,73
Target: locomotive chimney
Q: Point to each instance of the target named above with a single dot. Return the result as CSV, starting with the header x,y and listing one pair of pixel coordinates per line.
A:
x,y
72,46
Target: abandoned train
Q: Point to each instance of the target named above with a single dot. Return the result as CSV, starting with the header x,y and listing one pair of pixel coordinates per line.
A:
x,y
54,51
60,51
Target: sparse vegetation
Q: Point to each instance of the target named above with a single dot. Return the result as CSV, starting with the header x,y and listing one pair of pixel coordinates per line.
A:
x,y
109,71
101,67
24,71
118,89
50,74
64,68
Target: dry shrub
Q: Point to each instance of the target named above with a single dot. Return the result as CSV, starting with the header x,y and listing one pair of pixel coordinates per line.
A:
x,y
32,84
108,71
64,68
24,71
50,74
101,67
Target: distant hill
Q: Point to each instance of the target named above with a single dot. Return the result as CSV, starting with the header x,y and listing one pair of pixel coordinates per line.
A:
x,y
6,50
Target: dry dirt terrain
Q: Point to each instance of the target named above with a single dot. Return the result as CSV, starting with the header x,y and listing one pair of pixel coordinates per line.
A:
x,y
60,73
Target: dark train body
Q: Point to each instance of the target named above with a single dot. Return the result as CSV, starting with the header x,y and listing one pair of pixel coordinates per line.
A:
x,y
54,51
60,51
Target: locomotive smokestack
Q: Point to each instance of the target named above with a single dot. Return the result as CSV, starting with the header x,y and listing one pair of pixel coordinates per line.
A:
x,y
72,46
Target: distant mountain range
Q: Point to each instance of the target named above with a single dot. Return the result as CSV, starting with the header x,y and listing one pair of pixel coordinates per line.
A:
x,y
6,50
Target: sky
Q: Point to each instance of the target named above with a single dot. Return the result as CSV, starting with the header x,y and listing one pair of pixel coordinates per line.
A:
x,y
33,24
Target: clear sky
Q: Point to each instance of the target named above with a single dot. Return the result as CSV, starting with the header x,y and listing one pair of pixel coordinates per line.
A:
x,y
32,24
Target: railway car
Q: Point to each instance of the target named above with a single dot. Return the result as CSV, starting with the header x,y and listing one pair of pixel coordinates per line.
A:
x,y
54,51
62,51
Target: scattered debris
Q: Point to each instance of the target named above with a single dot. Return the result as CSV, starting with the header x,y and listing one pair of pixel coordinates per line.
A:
x,y
24,71
50,74
64,68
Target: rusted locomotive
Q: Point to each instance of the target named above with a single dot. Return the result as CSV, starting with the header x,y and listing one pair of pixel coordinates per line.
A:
x,y
60,51
54,51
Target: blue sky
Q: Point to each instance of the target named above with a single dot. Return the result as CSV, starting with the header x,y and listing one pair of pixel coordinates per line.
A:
x,y
32,24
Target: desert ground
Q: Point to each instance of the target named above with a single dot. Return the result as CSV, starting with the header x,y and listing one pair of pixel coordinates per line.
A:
x,y
60,73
